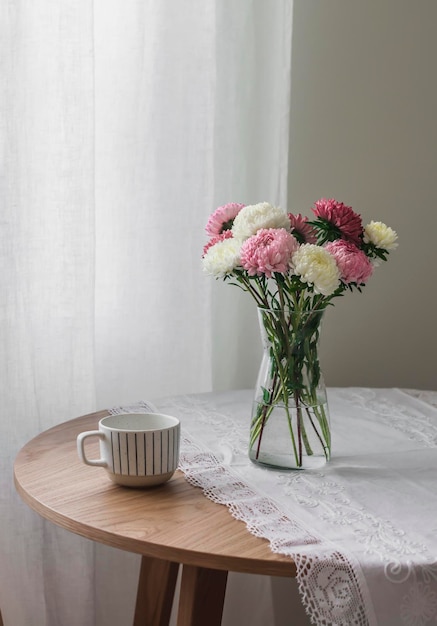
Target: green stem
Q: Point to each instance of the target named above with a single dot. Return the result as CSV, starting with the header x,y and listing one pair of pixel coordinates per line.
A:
x,y
293,355
325,446
293,441
299,434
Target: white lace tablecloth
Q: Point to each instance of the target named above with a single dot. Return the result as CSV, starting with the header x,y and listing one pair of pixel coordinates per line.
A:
x,y
363,530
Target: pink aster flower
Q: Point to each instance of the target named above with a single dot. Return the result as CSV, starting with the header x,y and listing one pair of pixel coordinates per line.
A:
x,y
353,264
345,221
227,234
222,218
300,228
268,251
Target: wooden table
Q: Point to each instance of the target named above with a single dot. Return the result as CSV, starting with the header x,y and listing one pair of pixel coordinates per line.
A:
x,y
170,525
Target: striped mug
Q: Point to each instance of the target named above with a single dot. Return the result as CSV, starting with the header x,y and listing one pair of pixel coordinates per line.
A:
x,y
136,449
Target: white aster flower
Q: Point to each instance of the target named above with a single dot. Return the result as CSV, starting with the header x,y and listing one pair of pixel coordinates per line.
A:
x,y
317,267
222,258
380,235
256,216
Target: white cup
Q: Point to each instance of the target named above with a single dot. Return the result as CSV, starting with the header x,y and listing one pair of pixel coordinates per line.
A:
x,y
136,449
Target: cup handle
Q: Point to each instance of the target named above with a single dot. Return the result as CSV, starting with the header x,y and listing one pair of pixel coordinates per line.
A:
x,y
81,449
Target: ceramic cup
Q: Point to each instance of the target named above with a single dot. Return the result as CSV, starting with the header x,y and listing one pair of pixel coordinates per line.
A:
x,y
136,449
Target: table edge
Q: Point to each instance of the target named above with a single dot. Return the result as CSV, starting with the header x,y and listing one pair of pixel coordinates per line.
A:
x,y
280,565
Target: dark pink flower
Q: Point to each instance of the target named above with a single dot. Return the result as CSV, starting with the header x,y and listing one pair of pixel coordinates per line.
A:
x,y
226,235
268,251
353,264
345,221
222,218
300,228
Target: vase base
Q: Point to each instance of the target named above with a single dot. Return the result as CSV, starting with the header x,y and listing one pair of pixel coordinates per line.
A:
x,y
285,463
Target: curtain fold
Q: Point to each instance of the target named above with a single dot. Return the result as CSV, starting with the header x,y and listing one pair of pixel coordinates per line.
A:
x,y
154,76
123,125
250,156
46,288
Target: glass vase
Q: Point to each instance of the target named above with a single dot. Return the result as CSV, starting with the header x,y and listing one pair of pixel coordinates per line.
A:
x,y
290,420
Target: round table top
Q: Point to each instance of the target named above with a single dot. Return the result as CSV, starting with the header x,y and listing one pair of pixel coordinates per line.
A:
x,y
174,521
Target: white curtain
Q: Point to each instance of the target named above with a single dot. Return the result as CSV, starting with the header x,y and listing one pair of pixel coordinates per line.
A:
x,y
122,126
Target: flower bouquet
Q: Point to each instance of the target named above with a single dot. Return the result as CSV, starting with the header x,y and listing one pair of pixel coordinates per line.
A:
x,y
293,267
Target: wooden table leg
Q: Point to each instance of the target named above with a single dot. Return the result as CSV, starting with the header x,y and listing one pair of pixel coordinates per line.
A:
x,y
202,596
156,588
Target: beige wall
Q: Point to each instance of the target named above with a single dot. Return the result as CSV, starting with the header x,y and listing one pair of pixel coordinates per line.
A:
x,y
364,130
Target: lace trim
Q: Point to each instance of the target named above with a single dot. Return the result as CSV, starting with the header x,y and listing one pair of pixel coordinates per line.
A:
x,y
379,537
329,586
329,590
332,589
328,582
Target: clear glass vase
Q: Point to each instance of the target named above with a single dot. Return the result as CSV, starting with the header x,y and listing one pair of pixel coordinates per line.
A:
x,y
290,420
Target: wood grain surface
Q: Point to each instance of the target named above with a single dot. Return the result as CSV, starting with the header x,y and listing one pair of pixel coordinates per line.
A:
x,y
174,521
